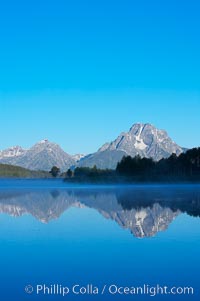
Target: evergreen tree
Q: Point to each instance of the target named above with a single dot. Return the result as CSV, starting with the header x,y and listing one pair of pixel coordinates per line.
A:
x,y
55,171
69,173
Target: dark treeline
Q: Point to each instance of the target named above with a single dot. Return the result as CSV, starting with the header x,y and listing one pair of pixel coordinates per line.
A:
x,y
87,174
185,167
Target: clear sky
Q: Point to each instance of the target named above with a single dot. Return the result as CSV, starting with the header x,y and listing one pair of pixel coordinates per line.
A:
x,y
80,72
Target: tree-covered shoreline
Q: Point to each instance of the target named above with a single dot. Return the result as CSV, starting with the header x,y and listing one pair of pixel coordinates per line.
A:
x,y
182,168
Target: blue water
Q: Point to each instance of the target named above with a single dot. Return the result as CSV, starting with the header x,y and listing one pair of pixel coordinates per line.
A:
x,y
51,233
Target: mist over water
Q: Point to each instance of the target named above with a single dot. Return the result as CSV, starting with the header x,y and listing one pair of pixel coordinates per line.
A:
x,y
55,233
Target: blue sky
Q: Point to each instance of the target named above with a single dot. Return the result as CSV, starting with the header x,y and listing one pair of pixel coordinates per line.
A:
x,y
81,72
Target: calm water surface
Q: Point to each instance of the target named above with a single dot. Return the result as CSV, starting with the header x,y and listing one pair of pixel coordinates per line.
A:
x,y
52,233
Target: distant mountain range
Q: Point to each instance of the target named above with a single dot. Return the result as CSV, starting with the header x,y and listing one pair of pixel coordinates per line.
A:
x,y
41,156
142,139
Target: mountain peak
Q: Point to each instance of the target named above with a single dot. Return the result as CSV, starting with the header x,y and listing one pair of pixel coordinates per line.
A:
x,y
142,139
142,125
43,141
41,156
13,151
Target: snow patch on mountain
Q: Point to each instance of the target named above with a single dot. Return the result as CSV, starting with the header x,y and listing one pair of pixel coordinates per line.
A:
x,y
13,151
78,157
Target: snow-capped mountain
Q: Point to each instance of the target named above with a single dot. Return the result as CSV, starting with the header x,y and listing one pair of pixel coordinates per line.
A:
x,y
42,156
11,152
78,157
142,139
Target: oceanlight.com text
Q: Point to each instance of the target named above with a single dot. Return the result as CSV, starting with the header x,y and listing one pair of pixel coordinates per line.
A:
x,y
112,289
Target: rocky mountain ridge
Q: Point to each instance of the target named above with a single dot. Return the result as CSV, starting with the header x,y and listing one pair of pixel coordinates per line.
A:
x,y
142,139
41,156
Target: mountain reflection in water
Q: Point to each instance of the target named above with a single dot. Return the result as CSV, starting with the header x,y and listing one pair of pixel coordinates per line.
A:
x,y
143,210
